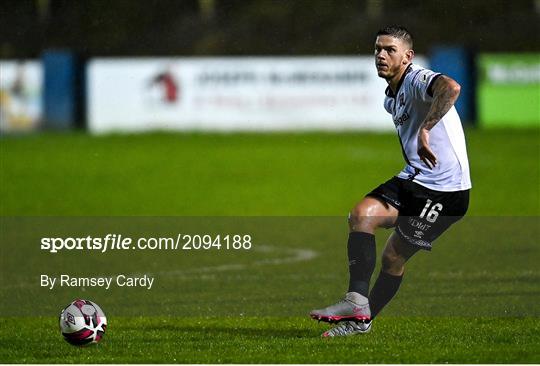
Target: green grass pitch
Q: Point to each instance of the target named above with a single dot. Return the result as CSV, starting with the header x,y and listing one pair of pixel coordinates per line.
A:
x,y
285,340
474,299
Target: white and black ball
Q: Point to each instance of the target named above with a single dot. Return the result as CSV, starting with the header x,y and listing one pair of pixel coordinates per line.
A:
x,y
83,322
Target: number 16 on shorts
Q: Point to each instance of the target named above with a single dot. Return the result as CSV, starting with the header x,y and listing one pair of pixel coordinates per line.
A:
x,y
433,212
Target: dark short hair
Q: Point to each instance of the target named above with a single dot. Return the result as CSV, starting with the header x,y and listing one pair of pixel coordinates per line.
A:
x,y
399,32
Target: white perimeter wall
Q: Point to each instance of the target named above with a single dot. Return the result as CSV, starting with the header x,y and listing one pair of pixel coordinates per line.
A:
x,y
21,85
248,93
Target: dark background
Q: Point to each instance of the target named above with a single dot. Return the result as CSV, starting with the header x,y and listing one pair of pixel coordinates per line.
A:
x,y
259,27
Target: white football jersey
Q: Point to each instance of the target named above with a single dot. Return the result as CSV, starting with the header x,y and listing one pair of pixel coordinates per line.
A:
x,y
409,108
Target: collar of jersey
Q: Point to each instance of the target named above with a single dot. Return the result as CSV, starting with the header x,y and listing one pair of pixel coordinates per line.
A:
x,y
388,91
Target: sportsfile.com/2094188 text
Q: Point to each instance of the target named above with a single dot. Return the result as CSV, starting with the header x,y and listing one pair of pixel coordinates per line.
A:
x,y
120,242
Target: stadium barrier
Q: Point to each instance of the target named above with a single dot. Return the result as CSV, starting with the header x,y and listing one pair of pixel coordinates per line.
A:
x,y
458,63
249,93
63,84
509,90
233,93
21,107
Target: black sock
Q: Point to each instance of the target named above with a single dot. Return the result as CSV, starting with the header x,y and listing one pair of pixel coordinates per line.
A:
x,y
383,291
362,253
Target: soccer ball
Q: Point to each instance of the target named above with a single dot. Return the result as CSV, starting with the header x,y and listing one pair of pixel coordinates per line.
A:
x,y
82,322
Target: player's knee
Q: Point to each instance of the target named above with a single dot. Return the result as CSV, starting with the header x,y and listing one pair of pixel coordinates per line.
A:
x,y
359,219
366,216
357,213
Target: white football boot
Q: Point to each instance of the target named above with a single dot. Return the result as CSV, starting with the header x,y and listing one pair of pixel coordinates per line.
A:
x,y
348,328
353,307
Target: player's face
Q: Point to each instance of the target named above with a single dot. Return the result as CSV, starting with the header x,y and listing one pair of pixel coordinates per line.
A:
x,y
391,56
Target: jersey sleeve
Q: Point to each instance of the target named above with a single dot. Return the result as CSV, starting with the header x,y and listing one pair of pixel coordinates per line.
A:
x,y
388,104
422,84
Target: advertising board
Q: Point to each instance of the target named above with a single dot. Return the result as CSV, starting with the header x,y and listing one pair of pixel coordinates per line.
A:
x,y
249,93
20,95
509,90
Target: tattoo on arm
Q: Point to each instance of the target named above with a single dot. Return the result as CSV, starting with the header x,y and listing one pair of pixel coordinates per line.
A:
x,y
445,94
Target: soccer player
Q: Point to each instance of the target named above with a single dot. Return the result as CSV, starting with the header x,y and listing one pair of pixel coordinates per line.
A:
x,y
422,201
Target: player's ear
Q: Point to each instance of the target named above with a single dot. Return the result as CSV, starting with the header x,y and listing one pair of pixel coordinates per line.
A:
x,y
409,55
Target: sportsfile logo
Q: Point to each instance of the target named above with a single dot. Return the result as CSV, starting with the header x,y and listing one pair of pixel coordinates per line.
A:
x,y
116,242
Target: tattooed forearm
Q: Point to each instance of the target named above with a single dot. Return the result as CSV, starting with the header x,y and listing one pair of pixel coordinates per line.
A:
x,y
445,94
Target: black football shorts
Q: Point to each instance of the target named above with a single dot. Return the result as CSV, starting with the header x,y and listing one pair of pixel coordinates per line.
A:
x,y
424,214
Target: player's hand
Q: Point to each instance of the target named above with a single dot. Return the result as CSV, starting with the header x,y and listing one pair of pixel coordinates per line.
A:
x,y
424,151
